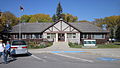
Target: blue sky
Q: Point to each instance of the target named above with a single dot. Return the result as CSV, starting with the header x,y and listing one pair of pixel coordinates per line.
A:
x,y
83,9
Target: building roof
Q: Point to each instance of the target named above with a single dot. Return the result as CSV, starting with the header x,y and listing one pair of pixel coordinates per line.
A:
x,y
87,27
31,27
84,27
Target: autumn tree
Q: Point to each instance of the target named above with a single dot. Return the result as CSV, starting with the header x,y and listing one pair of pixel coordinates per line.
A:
x,y
8,18
25,18
69,18
40,18
1,25
83,21
111,22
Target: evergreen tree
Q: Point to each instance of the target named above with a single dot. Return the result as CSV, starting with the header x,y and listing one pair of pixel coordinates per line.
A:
x,y
59,11
54,18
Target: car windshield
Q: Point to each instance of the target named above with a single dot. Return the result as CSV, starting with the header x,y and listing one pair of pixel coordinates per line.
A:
x,y
18,43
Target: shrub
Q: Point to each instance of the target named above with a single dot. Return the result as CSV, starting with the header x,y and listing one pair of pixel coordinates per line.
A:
x,y
74,45
34,45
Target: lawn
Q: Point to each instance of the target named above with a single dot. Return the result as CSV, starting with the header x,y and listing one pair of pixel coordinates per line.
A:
x,y
110,45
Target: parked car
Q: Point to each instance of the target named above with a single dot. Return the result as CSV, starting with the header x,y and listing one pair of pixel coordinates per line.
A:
x,y
19,47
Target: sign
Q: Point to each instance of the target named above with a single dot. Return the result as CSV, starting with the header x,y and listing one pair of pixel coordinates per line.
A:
x,y
89,42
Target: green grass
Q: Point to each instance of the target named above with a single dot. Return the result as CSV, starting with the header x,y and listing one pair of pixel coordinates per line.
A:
x,y
111,45
108,46
74,45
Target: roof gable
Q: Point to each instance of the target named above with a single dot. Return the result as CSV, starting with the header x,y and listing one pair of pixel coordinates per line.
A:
x,y
61,26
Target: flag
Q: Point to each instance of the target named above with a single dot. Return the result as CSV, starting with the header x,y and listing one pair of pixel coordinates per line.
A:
x,y
21,8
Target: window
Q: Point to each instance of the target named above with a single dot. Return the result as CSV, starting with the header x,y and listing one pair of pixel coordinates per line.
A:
x,y
98,36
103,35
74,35
18,42
71,35
51,35
48,35
40,35
30,36
15,36
37,36
33,36
27,36
23,36
92,35
85,35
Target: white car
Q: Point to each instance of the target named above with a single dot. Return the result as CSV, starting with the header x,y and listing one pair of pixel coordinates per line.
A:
x,y
19,47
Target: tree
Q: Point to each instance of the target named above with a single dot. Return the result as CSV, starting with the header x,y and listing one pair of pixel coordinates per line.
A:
x,y
25,18
112,23
33,19
1,26
54,18
59,11
83,21
8,18
40,18
117,35
69,18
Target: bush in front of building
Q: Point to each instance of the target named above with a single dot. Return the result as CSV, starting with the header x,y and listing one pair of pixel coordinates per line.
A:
x,y
34,45
74,45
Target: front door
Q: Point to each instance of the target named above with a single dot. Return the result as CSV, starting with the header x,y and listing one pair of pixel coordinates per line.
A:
x,y
61,37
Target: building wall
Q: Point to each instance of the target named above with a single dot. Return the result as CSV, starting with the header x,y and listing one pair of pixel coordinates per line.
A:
x,y
49,39
101,38
75,40
64,28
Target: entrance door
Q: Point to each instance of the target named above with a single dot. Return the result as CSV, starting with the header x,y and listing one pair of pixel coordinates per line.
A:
x,y
61,37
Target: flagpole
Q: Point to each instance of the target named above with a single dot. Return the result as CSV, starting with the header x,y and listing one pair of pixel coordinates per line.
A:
x,y
20,22
19,30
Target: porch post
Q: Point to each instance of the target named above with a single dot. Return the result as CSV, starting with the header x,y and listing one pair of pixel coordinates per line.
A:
x,y
56,37
65,37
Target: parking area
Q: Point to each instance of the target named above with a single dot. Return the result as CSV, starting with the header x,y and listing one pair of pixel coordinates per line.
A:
x,y
60,60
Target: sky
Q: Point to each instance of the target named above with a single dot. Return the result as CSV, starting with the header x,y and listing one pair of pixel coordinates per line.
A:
x,y
83,9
